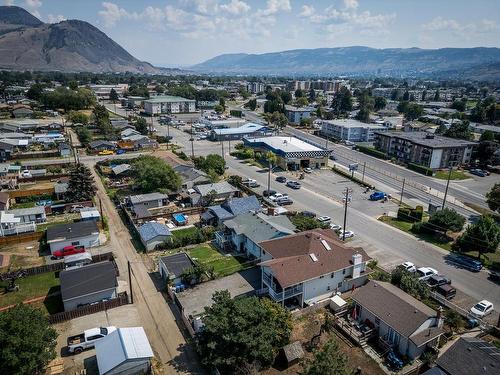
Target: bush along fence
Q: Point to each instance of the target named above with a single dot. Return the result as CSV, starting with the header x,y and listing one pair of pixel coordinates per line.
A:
x,y
122,299
421,169
372,152
411,215
350,177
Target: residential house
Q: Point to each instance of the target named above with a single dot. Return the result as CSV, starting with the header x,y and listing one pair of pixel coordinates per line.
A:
x,y
64,150
80,233
143,202
191,176
88,284
431,151
244,232
402,322
304,268
216,215
215,192
126,133
153,234
4,201
350,130
10,225
22,112
121,124
125,351
296,114
120,169
102,145
29,215
89,213
171,267
61,187
467,356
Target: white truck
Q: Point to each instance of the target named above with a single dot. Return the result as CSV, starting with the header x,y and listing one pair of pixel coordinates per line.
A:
x,y
87,339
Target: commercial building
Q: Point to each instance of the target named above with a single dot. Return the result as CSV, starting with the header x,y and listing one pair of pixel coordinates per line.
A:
x,y
247,130
292,153
168,105
296,114
350,130
429,150
102,91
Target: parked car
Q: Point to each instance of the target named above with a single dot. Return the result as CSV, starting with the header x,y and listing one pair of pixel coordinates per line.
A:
x,y
468,263
45,202
87,339
106,152
68,250
423,273
293,184
348,233
409,266
378,195
481,309
277,196
447,291
308,170
494,275
478,172
308,213
268,193
335,227
120,151
76,208
250,182
437,280
332,157
281,179
284,201
26,173
324,219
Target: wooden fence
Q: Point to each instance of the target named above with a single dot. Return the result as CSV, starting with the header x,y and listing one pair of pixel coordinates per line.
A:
x,y
27,193
122,299
20,238
35,155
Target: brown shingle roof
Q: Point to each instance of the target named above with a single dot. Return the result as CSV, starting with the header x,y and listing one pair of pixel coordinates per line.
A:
x,y
393,306
292,263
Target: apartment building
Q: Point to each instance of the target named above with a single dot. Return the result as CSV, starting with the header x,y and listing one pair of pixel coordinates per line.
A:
x,y
350,130
169,104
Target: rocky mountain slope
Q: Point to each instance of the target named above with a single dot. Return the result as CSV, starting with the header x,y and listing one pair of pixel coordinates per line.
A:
x,y
26,43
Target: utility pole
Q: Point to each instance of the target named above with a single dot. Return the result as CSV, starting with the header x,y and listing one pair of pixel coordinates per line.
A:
x,y
364,167
402,191
100,206
192,141
222,145
229,144
447,185
345,213
130,282
269,179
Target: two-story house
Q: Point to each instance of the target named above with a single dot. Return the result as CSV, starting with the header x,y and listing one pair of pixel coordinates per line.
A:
x,y
244,232
310,266
216,215
402,322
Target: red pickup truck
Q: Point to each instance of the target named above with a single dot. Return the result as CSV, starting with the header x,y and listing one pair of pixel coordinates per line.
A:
x,y
68,250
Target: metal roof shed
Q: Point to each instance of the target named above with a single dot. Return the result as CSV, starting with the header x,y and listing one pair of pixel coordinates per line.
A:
x,y
125,351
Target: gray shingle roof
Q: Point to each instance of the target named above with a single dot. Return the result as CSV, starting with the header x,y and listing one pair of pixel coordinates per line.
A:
x,y
470,355
37,210
141,198
120,168
422,138
259,227
149,231
235,206
177,263
393,306
88,279
72,230
219,188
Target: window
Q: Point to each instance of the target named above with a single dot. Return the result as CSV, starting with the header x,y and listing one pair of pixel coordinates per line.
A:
x,y
322,276
95,337
328,287
343,271
332,275
377,321
76,243
340,285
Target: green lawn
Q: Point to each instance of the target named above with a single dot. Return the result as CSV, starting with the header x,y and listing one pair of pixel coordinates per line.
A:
x,y
406,227
223,264
179,233
489,260
455,175
32,287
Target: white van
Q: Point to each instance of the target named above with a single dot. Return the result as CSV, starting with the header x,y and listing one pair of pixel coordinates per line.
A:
x,y
77,260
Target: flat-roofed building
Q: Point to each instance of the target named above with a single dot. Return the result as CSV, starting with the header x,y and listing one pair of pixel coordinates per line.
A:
x,y
247,130
169,104
350,130
292,153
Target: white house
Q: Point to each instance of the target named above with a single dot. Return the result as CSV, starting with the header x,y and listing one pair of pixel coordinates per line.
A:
x,y
80,233
310,266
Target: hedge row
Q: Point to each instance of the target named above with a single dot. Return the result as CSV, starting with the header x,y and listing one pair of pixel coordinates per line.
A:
x,y
372,152
420,169
348,175
411,215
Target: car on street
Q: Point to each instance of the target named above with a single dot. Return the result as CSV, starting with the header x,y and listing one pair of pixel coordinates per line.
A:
x,y
293,184
284,201
120,152
481,309
308,213
324,219
332,157
26,173
468,263
268,193
44,202
478,172
446,290
250,182
106,152
76,208
281,179
335,227
409,266
277,196
68,250
437,280
308,170
423,273
377,195
348,233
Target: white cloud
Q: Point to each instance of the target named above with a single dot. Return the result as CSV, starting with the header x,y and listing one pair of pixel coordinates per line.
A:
x,y
439,23
52,18
351,4
275,6
307,11
32,6
236,7
460,31
8,2
112,13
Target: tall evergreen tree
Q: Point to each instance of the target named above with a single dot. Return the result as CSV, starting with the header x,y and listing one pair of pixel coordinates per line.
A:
x,y
81,185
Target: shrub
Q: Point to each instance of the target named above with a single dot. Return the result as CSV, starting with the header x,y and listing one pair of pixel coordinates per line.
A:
x,y
411,215
420,169
372,152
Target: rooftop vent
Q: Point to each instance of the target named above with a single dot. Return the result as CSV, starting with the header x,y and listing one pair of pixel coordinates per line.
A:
x,y
313,257
325,244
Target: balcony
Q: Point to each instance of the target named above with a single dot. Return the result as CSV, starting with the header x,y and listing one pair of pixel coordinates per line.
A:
x,y
277,293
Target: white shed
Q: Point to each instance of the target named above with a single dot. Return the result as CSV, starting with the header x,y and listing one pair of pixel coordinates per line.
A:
x,y
125,351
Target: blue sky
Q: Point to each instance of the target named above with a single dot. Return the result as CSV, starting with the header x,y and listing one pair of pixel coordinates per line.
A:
x,y
183,32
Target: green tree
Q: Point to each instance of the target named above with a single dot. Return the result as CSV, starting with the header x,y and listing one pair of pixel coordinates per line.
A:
x,y
488,135
299,93
212,162
459,130
303,222
286,97
342,102
160,89
218,108
222,103
76,117
459,105
312,95
242,331
446,219
73,85
35,92
301,102
140,90
251,104
153,174
113,95
409,282
81,185
329,360
27,341
406,96
493,197
101,119
453,320
141,125
363,115
411,111
437,96
84,135
483,237
380,103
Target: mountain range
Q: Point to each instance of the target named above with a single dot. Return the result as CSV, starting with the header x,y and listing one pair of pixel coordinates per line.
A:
x,y
26,43
476,63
